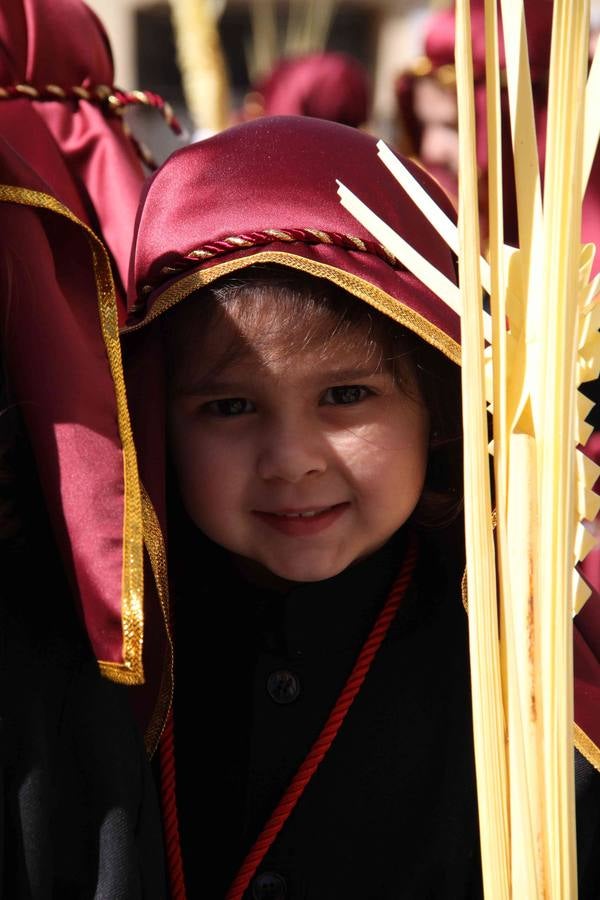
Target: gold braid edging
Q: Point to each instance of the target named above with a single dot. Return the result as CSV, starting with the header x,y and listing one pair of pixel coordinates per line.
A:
x,y
130,671
586,746
155,546
358,287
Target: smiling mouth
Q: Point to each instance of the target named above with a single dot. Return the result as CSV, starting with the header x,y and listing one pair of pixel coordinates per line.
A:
x,y
303,522
305,514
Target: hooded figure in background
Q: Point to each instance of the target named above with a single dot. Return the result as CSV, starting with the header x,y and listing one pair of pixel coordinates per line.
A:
x,y
53,56
426,95
80,816
328,85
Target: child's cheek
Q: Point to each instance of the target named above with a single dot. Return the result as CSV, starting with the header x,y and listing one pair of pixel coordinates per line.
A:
x,y
199,456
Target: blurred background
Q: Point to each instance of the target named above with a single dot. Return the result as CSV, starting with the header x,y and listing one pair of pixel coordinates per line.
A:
x,y
383,65
384,36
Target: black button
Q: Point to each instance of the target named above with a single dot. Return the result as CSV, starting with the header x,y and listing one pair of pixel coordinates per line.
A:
x,y
283,686
268,886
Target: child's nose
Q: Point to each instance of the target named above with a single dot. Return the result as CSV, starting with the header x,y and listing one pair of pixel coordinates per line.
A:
x,y
290,452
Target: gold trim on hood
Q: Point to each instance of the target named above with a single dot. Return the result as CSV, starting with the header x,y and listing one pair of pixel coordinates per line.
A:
x,y
130,671
353,284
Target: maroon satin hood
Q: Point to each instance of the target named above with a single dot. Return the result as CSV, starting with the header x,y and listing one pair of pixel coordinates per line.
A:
x,y
62,42
229,196
439,40
331,86
68,174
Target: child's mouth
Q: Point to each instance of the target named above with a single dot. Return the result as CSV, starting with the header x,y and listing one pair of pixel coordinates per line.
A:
x,y
303,522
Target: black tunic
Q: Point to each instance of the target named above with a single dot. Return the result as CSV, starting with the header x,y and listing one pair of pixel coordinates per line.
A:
x,y
391,813
79,817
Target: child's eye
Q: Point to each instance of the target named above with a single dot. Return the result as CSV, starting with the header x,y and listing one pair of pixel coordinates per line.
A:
x,y
230,406
346,394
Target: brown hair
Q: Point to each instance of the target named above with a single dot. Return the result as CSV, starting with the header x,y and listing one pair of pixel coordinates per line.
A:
x,y
312,312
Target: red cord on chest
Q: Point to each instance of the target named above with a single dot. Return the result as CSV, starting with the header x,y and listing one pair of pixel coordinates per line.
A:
x,y
306,770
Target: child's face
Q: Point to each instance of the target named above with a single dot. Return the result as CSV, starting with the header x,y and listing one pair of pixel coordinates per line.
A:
x,y
301,463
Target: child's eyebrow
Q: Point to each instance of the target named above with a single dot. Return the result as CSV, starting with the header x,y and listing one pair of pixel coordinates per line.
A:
x,y
349,375
208,386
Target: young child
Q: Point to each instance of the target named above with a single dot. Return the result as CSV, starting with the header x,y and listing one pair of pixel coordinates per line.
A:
x,y
312,405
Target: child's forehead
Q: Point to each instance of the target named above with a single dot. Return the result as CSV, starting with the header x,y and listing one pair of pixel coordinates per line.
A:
x,y
274,320
234,347
273,344
263,320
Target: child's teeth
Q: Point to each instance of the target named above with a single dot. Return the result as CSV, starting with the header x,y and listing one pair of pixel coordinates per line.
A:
x,y
303,515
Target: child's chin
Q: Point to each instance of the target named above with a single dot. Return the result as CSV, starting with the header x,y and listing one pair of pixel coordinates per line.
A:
x,y
281,573
308,571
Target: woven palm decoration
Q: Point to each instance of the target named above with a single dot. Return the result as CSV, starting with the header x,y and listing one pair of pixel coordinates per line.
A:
x,y
524,363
